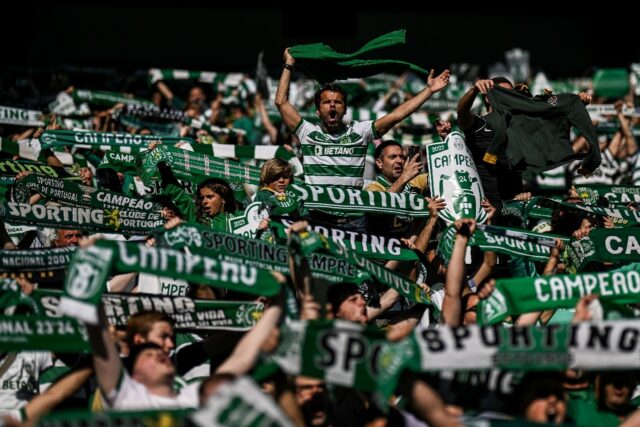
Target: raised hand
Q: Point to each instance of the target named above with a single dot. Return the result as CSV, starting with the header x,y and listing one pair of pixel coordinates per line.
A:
x,y
438,83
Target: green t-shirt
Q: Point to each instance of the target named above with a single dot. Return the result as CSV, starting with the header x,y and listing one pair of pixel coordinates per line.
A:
x,y
187,206
582,408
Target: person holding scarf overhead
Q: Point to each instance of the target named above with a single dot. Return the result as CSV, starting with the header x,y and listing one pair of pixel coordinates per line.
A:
x,y
212,204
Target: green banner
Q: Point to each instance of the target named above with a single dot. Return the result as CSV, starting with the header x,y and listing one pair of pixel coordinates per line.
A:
x,y
38,265
189,165
31,333
524,295
616,194
605,245
14,167
120,162
253,252
310,241
338,352
74,194
620,216
124,142
20,116
370,245
257,152
115,220
90,267
188,315
514,242
351,201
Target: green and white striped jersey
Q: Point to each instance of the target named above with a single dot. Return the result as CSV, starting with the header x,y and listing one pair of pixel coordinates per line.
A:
x,y
335,159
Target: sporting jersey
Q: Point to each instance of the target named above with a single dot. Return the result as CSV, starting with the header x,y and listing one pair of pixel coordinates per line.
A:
x,y
335,159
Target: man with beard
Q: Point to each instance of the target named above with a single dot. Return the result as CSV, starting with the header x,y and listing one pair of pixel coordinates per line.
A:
x,y
334,153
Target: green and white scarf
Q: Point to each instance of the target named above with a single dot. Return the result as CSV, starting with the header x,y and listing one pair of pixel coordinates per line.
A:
x,y
74,194
124,142
211,129
20,116
253,252
605,245
120,162
125,221
257,152
28,149
188,315
587,346
91,266
38,265
188,165
542,207
524,295
227,79
616,194
369,245
311,241
514,242
107,99
154,112
240,403
336,351
14,167
33,333
351,201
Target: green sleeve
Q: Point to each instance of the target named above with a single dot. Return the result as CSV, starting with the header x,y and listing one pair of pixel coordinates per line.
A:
x,y
220,223
182,200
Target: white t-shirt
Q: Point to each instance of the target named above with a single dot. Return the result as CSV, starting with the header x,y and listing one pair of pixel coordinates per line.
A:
x,y
23,375
152,284
130,394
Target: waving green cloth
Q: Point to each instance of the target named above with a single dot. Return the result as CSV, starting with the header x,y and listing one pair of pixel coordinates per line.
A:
x,y
324,64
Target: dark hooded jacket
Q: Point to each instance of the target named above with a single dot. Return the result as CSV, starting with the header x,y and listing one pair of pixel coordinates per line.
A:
x,y
536,130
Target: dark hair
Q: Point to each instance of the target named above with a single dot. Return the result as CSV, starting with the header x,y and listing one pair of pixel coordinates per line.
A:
x,y
134,351
220,187
537,385
331,87
384,144
500,79
339,292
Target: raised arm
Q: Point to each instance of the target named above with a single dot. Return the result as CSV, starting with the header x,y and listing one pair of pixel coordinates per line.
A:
x,y
246,352
289,114
266,121
465,118
402,111
43,403
452,304
106,360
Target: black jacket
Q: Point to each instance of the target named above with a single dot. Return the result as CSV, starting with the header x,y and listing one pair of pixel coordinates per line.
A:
x,y
536,130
